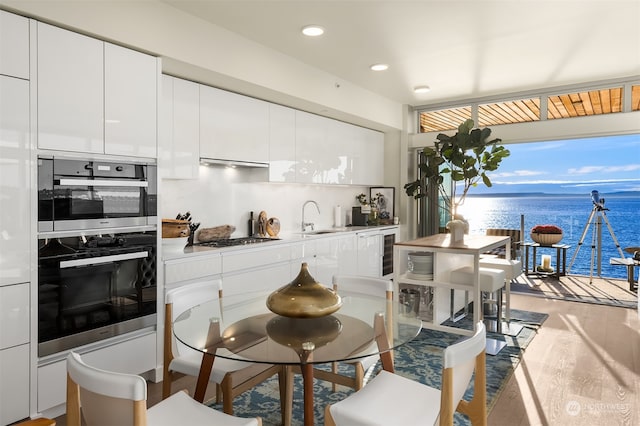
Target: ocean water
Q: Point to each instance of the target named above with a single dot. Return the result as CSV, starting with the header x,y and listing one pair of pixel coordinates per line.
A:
x,y
571,213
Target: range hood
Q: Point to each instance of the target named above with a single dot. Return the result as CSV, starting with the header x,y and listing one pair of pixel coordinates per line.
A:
x,y
231,163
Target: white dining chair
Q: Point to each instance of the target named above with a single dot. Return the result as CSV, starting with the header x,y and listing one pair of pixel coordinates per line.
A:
x,y
390,399
98,397
230,376
369,286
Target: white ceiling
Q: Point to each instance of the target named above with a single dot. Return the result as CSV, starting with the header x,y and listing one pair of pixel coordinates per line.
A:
x,y
461,49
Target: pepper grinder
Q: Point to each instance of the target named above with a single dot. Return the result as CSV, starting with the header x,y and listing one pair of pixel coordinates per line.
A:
x,y
252,225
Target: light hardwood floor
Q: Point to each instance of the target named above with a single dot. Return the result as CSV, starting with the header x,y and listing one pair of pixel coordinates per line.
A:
x,y
583,368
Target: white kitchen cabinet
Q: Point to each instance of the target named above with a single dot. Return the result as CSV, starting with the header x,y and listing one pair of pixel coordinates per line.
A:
x,y
335,255
14,352
260,268
366,157
130,102
369,253
192,268
282,144
70,82
14,45
179,129
311,135
15,181
332,152
14,384
233,127
14,315
93,96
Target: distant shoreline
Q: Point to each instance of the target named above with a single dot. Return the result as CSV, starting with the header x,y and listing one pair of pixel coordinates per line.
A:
x,y
545,194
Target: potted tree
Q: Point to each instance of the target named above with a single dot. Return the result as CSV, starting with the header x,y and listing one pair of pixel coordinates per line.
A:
x,y
465,157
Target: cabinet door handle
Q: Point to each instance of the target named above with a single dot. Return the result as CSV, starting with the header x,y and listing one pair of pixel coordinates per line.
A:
x,y
103,259
92,182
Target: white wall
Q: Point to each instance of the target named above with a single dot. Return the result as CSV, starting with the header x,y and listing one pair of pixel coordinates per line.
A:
x,y
224,196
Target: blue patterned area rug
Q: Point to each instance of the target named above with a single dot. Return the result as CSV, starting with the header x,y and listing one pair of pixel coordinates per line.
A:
x,y
420,359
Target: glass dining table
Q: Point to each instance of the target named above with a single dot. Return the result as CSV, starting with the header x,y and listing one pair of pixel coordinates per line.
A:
x,y
241,327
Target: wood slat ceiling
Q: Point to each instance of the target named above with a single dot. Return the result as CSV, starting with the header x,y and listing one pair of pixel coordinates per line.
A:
x,y
579,104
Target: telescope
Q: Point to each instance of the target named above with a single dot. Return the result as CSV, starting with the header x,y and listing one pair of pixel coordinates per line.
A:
x,y
597,201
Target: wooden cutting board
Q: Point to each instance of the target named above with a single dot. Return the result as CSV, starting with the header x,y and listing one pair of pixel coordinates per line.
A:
x,y
273,226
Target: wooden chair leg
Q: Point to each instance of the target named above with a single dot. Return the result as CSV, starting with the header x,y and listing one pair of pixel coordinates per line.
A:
x,y
359,376
73,402
166,385
328,419
476,409
334,370
227,395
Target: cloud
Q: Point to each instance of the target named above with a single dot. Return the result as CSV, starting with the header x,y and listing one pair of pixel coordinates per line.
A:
x,y
518,173
603,169
566,182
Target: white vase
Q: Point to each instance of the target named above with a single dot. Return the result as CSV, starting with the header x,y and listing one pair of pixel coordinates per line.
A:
x,y
457,229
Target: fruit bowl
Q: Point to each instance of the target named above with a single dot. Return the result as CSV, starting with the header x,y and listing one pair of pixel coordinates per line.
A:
x,y
546,239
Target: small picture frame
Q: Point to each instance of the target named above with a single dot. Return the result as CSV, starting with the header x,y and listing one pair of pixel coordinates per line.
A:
x,y
385,202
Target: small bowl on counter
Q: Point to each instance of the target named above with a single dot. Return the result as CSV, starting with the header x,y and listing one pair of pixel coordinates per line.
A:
x,y
174,244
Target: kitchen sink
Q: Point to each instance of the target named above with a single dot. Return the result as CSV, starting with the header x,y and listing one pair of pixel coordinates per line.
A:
x,y
326,231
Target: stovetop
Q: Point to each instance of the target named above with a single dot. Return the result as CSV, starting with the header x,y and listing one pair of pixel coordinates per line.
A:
x,y
228,242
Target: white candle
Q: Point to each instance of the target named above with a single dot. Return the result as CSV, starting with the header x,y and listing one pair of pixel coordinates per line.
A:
x,y
546,261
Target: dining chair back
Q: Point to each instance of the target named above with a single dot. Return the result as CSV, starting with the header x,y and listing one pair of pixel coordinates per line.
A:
x,y
392,399
369,286
516,241
231,377
98,397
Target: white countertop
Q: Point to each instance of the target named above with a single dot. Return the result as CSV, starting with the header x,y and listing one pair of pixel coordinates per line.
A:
x,y
171,253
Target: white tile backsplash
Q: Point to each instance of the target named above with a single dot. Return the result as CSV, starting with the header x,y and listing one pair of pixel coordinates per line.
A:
x,y
224,196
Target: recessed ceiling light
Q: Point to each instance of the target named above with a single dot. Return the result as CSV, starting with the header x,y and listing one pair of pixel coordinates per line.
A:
x,y
421,89
313,30
379,67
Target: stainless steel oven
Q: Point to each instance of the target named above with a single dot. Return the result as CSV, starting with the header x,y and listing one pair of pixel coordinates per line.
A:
x,y
92,287
88,194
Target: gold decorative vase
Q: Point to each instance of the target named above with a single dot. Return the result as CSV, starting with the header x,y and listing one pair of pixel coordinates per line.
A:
x,y
304,297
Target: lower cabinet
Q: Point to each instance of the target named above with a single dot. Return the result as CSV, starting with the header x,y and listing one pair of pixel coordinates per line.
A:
x,y
134,356
14,352
370,253
14,384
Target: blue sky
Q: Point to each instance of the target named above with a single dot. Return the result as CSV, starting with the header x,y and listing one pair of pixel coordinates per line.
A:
x,y
607,164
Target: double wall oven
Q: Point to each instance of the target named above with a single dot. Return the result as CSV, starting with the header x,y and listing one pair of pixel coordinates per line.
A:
x,y
97,240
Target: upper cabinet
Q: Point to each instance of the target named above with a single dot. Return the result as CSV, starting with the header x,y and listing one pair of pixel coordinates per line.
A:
x,y
14,45
367,157
233,127
130,102
94,97
70,91
179,129
282,144
312,156
15,181
332,152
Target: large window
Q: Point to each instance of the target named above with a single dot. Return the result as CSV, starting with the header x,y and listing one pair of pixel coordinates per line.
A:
x,y
545,105
580,104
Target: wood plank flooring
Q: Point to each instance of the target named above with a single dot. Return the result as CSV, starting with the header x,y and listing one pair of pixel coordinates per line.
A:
x,y
583,368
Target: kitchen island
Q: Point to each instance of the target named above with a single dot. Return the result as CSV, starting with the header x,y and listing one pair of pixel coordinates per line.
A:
x,y
447,256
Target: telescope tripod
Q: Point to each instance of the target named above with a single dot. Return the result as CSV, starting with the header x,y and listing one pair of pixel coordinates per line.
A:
x,y
597,212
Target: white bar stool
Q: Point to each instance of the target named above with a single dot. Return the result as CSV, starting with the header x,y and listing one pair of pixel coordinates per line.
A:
x,y
512,269
490,281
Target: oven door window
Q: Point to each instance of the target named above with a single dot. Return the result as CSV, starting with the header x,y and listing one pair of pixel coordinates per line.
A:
x,y
94,202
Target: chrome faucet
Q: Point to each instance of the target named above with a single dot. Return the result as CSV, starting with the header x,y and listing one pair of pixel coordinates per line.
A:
x,y
305,224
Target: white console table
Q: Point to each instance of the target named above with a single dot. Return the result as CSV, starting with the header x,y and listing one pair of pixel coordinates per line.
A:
x,y
446,257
